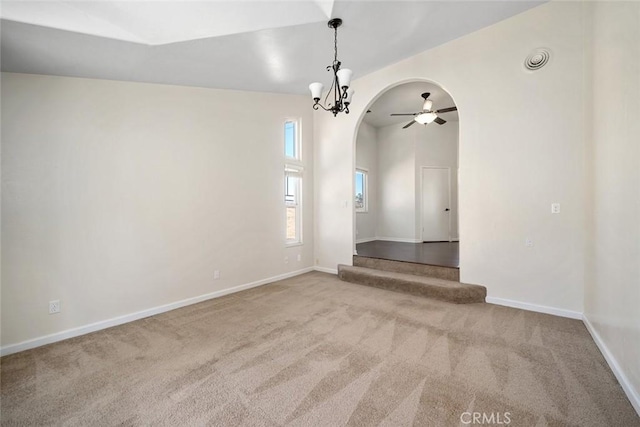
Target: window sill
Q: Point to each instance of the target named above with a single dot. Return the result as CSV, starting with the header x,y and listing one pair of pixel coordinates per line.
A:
x,y
292,244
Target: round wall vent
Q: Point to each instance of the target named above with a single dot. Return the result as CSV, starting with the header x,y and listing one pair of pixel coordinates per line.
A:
x,y
537,59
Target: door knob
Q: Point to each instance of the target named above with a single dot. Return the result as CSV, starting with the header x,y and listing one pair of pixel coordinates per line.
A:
x,y
446,210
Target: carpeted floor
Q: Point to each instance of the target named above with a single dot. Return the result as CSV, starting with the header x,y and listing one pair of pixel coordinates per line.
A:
x,y
316,351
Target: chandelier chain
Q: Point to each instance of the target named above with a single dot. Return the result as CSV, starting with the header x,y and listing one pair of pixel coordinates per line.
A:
x,y
335,44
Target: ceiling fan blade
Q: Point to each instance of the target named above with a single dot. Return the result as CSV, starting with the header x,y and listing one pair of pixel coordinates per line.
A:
x,y
408,124
446,110
439,121
404,114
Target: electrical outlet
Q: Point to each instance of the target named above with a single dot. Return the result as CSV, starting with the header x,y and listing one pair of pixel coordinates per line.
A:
x,y
216,274
528,242
286,260
299,257
555,208
54,306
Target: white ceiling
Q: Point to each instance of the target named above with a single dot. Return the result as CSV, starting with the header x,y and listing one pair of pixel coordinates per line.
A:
x,y
406,99
164,22
269,46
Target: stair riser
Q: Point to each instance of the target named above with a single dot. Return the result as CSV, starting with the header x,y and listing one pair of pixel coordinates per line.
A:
x,y
445,273
458,296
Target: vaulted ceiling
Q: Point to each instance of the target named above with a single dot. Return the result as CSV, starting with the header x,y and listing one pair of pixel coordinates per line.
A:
x,y
269,46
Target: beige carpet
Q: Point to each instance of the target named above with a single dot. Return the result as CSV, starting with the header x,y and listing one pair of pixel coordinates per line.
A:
x,y
313,350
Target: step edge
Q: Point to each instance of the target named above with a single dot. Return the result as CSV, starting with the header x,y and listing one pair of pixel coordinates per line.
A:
x,y
411,277
450,292
409,262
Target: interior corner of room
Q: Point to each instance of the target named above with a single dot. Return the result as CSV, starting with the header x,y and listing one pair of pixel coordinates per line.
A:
x,y
166,178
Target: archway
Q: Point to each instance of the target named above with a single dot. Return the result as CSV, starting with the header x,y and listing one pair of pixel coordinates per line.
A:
x,y
406,175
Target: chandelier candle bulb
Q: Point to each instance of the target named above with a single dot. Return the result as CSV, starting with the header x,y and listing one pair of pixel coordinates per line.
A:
x,y
344,78
316,90
350,93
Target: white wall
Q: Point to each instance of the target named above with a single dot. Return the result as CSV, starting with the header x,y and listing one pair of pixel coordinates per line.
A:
x,y
401,155
612,294
521,148
396,184
437,146
367,158
118,197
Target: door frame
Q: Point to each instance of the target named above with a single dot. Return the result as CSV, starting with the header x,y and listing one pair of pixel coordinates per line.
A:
x,y
422,169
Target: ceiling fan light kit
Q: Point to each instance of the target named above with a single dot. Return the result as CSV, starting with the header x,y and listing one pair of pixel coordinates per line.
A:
x,y
426,118
340,85
427,115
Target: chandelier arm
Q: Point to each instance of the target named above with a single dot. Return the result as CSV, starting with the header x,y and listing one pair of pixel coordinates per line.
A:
x,y
315,107
336,86
329,91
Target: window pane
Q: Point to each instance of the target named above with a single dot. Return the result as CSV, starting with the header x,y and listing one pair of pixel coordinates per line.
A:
x,y
290,140
291,223
291,189
360,190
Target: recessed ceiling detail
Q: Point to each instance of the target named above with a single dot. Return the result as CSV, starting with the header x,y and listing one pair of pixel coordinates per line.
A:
x,y
164,22
537,59
254,45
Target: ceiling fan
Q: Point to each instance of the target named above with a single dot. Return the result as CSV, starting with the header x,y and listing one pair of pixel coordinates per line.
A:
x,y
427,115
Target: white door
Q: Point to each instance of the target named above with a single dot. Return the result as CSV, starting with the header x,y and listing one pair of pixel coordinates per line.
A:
x,y
436,212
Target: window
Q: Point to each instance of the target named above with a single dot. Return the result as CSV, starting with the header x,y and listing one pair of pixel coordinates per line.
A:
x,y
361,202
291,140
293,206
293,182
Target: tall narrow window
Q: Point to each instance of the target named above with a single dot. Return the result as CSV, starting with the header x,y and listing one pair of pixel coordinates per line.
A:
x,y
293,182
361,201
293,206
291,140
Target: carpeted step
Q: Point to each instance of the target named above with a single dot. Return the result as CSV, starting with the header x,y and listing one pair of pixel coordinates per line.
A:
x,y
446,273
430,287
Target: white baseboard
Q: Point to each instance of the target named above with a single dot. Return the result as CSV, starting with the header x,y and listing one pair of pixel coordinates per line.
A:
x,y
398,239
104,324
630,391
534,307
326,270
366,239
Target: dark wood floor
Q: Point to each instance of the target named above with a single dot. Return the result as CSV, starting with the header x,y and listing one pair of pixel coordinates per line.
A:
x,y
446,254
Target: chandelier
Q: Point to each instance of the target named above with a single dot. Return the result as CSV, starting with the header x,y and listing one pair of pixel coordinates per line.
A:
x,y
342,93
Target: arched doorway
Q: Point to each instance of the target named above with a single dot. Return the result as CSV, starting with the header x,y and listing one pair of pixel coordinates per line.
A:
x,y
406,176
